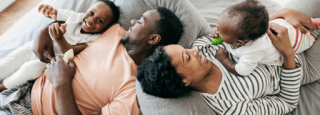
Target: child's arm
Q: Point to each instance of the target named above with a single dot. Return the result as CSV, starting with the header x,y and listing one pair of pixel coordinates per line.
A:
x,y
57,33
48,11
59,15
222,56
246,64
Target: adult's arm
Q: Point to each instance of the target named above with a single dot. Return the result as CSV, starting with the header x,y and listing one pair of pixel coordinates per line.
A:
x,y
296,18
44,43
60,75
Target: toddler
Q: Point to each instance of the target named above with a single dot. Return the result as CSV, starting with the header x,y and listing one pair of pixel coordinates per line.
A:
x,y
244,27
78,31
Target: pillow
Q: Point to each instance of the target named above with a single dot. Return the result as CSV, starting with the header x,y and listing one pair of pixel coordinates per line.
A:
x,y
192,104
194,24
24,30
211,9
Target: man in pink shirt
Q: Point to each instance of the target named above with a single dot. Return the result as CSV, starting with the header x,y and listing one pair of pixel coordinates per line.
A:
x,y
103,82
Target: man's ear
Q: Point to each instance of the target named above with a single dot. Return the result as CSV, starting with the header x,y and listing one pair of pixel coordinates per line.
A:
x,y
155,39
241,43
186,82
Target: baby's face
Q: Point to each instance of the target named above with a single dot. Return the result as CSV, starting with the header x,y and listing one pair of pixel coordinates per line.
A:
x,y
97,18
226,28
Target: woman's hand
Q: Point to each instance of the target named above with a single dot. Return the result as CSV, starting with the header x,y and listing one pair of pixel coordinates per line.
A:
x,y
60,73
222,54
296,18
282,42
56,31
48,11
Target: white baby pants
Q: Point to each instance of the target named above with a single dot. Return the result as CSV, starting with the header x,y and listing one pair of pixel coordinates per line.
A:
x,y
20,66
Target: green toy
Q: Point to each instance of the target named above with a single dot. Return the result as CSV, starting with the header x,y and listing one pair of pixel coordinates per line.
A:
x,y
216,41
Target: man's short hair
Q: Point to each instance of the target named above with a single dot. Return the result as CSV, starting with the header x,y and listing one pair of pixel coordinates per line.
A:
x,y
159,78
169,27
254,19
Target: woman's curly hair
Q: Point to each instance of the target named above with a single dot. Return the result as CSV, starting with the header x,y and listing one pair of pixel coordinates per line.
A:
x,y
159,77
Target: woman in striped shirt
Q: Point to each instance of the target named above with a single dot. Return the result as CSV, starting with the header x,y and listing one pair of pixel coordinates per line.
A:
x,y
173,71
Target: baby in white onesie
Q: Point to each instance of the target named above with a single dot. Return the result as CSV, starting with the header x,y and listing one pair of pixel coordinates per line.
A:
x,y
244,27
78,31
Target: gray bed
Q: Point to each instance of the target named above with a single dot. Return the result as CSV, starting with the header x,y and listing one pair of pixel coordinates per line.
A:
x,y
196,15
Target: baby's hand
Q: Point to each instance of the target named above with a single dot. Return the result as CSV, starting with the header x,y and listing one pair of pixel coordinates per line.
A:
x,y
215,33
222,54
48,11
56,31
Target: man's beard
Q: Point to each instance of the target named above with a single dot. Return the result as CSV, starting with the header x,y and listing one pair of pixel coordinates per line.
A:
x,y
130,44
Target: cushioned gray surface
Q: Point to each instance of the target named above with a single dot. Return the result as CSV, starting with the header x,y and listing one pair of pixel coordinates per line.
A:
x,y
309,97
211,9
188,105
194,24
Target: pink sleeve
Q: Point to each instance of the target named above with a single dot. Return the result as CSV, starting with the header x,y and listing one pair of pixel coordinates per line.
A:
x,y
125,103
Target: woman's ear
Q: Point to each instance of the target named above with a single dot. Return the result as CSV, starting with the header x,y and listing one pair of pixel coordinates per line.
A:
x,y
186,82
155,38
241,43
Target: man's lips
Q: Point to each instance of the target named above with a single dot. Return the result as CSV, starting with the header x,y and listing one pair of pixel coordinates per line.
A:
x,y
130,30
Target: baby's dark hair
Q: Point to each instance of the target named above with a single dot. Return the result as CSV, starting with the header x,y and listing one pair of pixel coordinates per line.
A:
x,y
115,11
253,19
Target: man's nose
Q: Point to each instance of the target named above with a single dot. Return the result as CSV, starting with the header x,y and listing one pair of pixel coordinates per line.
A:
x,y
133,22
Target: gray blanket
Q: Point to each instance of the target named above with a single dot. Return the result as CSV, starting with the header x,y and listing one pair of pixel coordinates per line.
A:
x,y
16,101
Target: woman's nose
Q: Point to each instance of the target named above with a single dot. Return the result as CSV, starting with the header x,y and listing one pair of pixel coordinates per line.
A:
x,y
133,22
194,52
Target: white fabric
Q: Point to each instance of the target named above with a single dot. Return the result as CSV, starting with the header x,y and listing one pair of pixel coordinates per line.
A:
x,y
74,21
260,51
21,65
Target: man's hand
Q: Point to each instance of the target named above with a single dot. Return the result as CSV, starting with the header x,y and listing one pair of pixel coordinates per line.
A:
x,y
48,11
60,73
222,54
215,33
56,31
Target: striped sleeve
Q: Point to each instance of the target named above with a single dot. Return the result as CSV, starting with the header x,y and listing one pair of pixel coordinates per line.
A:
x,y
279,104
205,42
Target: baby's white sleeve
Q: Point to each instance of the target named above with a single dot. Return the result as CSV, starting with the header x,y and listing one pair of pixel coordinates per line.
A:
x,y
248,62
64,15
